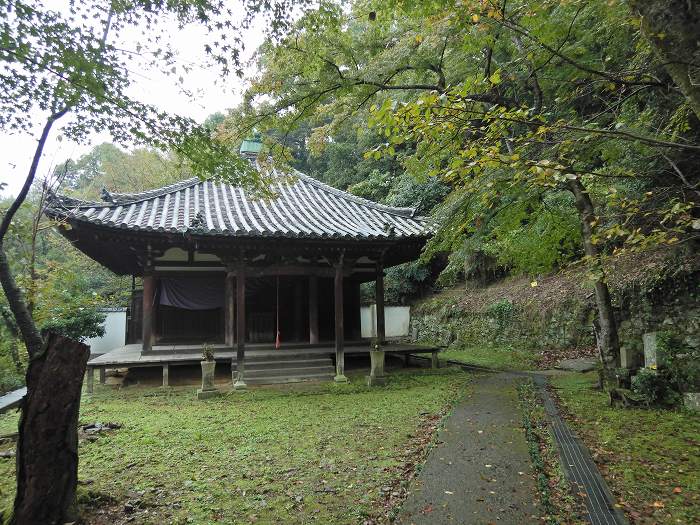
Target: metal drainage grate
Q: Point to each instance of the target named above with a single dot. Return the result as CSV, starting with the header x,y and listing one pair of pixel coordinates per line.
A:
x,y
579,467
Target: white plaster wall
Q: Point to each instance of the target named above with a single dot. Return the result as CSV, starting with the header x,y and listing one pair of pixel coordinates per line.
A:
x,y
396,320
115,332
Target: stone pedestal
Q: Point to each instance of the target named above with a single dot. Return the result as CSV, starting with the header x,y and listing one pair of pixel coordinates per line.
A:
x,y
376,376
208,390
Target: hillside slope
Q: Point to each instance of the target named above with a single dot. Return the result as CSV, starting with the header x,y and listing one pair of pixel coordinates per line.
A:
x,y
548,318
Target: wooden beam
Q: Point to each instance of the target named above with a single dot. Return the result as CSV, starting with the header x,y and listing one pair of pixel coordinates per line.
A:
x,y
379,299
298,309
339,328
313,309
149,297
240,327
230,308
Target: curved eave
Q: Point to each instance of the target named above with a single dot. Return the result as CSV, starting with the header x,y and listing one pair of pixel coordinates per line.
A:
x,y
61,215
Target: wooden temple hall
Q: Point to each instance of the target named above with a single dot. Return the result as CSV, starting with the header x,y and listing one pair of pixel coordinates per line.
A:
x,y
272,285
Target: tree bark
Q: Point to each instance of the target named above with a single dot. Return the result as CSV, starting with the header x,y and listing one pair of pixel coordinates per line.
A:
x,y
47,449
672,27
607,338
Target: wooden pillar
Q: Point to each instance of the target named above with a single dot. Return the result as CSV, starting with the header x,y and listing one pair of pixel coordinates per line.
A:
x,y
339,328
103,376
298,309
240,327
166,374
149,299
313,309
379,299
230,309
90,379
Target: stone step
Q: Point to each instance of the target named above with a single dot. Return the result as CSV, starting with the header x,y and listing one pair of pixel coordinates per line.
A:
x,y
270,380
285,356
279,372
286,363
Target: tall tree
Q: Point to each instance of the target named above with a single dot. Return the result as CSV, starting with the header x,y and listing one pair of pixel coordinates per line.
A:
x,y
74,62
512,105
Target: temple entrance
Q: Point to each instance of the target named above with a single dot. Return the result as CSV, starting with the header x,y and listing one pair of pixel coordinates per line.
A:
x,y
182,326
189,309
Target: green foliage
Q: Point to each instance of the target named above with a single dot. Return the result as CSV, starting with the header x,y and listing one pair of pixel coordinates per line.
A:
x,y
10,377
509,108
109,167
406,281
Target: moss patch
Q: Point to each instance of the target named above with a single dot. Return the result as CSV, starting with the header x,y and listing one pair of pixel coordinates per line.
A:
x,y
648,457
321,453
496,357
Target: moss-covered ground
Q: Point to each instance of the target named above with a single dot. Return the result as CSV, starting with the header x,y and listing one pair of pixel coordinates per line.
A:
x,y
650,458
309,453
495,357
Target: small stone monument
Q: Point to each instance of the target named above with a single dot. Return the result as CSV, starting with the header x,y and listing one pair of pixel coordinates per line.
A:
x,y
652,359
376,375
630,357
691,400
208,368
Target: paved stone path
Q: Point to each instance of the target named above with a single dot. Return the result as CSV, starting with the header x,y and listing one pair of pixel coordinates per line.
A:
x,y
480,471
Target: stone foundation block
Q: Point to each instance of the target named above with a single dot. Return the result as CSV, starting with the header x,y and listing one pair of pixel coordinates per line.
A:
x,y
207,394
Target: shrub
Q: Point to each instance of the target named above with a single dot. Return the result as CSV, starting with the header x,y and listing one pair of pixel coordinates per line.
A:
x,y
10,378
502,311
679,372
648,386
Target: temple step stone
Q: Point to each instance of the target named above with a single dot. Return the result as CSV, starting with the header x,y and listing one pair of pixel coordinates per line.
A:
x,y
278,369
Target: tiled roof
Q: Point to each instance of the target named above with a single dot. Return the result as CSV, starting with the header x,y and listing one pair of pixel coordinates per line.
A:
x,y
303,207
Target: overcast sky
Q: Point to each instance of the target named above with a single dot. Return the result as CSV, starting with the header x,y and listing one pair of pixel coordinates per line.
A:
x,y
211,95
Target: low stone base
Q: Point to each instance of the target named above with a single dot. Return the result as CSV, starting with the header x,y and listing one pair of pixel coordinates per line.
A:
x,y
207,394
376,381
239,385
340,379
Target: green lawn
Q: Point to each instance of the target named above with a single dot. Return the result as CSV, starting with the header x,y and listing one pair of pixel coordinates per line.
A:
x,y
496,357
320,453
649,457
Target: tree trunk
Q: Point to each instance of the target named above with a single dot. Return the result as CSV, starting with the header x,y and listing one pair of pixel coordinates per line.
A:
x,y
672,27
47,450
608,341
